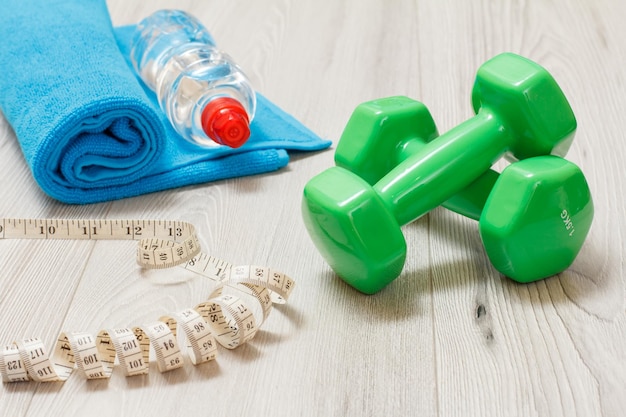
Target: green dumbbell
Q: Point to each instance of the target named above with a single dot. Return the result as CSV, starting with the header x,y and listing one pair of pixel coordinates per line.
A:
x,y
384,132
356,226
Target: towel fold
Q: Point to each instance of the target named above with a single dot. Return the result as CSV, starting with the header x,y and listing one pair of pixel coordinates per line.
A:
x,y
90,130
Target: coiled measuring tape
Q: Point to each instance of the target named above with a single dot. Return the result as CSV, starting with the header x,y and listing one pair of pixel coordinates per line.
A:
x,y
223,319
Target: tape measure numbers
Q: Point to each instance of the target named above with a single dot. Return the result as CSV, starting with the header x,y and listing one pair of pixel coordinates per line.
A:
x,y
223,319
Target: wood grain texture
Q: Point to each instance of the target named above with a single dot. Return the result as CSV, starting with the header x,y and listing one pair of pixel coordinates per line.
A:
x,y
449,337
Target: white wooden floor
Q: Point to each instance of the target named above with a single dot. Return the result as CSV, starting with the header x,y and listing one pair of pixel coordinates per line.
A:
x,y
450,337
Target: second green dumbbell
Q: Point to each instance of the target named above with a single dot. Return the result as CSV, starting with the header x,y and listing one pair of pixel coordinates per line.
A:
x,y
384,132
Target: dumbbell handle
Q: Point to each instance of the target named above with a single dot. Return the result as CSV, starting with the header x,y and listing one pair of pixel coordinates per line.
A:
x,y
444,166
468,202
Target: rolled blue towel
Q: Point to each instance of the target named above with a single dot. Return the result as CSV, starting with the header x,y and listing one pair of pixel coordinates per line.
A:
x,y
88,128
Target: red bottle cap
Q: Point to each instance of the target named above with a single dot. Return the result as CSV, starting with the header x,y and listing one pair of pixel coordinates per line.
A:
x,y
226,122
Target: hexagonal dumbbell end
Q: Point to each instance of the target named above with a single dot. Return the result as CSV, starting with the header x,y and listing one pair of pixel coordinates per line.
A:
x,y
536,218
379,132
353,229
529,101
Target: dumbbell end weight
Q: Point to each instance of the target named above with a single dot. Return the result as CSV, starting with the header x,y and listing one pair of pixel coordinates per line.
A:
x,y
530,102
378,133
353,229
536,218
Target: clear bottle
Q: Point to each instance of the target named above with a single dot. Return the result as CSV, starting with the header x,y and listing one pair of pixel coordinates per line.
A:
x,y
205,95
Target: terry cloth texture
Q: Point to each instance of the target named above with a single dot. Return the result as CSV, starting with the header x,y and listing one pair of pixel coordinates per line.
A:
x,y
90,130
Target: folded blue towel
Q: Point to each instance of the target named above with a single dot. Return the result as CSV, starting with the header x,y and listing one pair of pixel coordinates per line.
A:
x,y
90,131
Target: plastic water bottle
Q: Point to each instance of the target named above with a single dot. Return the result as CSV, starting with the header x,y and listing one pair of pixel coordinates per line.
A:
x,y
205,95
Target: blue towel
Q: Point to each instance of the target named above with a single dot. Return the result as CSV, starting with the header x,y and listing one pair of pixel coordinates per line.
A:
x,y
88,128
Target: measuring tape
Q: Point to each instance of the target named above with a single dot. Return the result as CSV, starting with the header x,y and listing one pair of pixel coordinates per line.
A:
x,y
223,319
